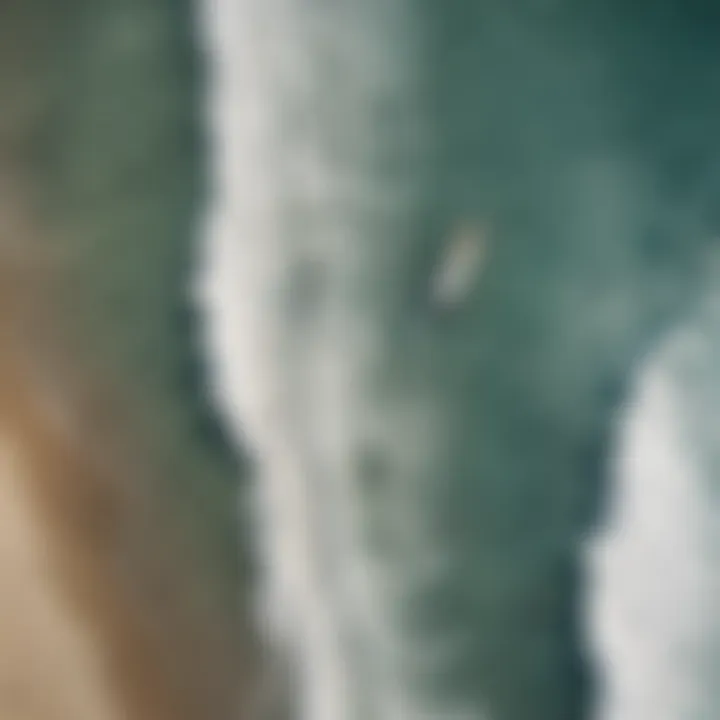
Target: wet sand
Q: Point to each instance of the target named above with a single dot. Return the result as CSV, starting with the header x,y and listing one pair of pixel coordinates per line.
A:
x,y
110,605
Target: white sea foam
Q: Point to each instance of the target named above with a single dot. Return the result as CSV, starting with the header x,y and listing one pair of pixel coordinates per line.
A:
x,y
242,267
293,382
654,570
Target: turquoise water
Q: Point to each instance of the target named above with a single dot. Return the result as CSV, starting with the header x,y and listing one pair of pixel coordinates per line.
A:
x,y
426,474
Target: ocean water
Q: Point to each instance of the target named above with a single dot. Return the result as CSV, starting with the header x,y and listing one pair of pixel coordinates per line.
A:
x,y
429,434
439,244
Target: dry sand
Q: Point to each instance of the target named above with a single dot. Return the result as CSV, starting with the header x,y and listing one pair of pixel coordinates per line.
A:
x,y
102,614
